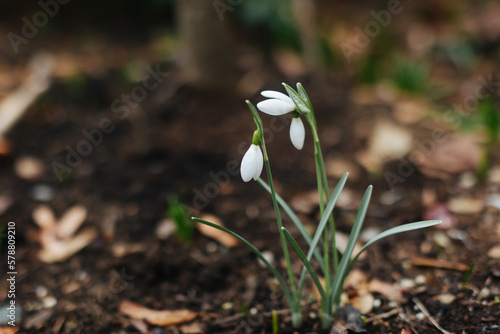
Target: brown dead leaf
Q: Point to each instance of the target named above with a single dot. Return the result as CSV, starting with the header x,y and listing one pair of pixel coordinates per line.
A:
x,y
466,206
443,160
8,330
72,219
391,291
192,329
155,317
56,236
405,331
387,142
222,237
56,250
44,217
363,302
494,252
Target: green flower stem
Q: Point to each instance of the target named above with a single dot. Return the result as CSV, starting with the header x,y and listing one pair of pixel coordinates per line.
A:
x,y
280,223
296,316
322,174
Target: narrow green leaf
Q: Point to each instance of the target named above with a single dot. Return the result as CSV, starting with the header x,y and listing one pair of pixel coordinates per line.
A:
x,y
306,262
396,230
297,99
295,220
322,224
273,270
326,214
343,267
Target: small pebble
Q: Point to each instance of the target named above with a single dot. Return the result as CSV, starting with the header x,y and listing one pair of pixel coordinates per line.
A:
x,y
442,240
407,283
484,293
49,302
165,229
227,306
377,303
446,299
420,316
42,193
312,315
420,280
254,311
269,256
41,291
29,168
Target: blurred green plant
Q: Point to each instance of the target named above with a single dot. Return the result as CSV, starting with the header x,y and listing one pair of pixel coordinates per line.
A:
x,y
411,76
466,277
179,213
272,21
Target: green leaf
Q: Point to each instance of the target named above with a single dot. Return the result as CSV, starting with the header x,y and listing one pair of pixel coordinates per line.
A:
x,y
297,99
395,230
322,224
295,220
343,267
306,262
273,270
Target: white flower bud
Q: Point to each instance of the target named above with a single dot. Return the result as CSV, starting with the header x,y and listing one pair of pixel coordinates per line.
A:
x,y
252,163
297,133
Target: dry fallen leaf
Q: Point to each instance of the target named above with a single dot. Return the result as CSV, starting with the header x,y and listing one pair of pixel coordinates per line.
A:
x,y
363,302
222,237
57,236
44,217
494,252
390,291
8,330
155,317
56,250
465,205
387,142
443,160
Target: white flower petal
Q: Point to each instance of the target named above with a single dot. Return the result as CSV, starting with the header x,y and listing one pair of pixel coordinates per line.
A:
x,y
275,107
272,94
252,163
297,133
258,164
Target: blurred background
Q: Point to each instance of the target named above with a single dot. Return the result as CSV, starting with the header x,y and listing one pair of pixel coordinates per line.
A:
x,y
124,117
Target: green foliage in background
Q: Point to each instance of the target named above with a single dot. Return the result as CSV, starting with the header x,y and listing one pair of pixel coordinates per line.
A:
x,y
411,76
271,21
179,213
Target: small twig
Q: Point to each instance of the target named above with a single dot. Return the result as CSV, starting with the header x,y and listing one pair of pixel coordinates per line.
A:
x,y
383,315
426,262
428,315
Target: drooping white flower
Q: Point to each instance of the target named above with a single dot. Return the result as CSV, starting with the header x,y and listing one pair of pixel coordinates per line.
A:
x,y
297,133
277,104
252,163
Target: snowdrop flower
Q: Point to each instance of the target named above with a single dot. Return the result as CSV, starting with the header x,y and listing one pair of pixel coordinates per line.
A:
x,y
277,104
253,161
297,133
